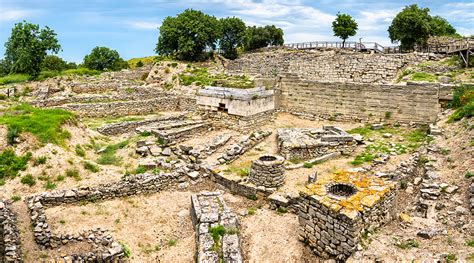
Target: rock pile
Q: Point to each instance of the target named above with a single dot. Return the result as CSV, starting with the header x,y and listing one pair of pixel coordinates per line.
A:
x,y
244,144
195,154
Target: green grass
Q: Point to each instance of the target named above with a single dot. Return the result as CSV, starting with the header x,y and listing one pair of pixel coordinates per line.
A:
x,y
132,63
251,211
28,180
44,124
108,155
201,77
14,78
172,242
468,174
470,242
16,198
74,173
39,160
49,185
463,102
423,76
91,167
126,250
81,71
80,151
11,164
407,244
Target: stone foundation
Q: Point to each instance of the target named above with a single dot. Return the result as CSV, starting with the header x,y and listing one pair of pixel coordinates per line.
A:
x,y
268,171
10,246
306,143
130,126
335,211
244,144
209,211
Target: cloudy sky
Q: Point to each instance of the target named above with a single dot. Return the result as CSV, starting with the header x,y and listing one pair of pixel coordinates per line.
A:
x,y
131,26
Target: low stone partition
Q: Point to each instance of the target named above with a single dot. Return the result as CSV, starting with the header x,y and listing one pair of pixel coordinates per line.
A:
x,y
307,143
336,209
238,123
107,249
134,107
217,229
129,126
244,144
200,152
268,171
178,131
10,245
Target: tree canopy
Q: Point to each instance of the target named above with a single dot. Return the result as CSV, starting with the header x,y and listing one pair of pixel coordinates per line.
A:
x,y
102,58
414,25
188,34
344,26
232,36
27,47
258,37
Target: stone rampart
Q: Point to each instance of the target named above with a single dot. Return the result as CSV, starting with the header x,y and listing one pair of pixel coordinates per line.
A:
x,y
10,250
414,102
330,66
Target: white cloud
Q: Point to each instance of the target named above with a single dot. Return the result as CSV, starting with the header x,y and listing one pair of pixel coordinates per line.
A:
x,y
15,14
145,25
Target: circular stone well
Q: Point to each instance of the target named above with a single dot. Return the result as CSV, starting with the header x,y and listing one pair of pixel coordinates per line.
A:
x,y
341,190
268,171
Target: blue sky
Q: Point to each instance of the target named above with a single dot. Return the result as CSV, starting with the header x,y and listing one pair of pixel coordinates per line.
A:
x,y
130,27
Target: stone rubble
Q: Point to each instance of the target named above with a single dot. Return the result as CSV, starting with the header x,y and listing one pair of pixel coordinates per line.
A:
x,y
10,243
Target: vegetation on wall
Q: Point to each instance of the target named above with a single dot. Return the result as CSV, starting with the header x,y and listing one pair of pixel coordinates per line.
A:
x,y
463,102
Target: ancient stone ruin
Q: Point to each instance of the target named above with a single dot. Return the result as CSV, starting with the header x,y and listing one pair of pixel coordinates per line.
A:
x,y
268,171
337,208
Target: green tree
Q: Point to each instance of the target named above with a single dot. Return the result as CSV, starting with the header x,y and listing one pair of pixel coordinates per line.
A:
x,y
188,34
27,46
344,26
54,63
4,67
103,58
259,37
232,37
441,27
275,35
410,27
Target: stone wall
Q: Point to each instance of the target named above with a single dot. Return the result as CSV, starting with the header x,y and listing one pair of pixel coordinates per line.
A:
x,y
130,126
328,66
238,123
10,247
268,171
417,103
135,107
209,211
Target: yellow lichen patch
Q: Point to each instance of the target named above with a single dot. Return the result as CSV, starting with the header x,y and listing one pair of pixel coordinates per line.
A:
x,y
370,190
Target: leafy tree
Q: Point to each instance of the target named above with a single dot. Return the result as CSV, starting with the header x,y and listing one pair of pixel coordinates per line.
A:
x,y
441,27
53,63
71,65
275,35
103,58
414,25
344,26
188,34
232,37
4,67
259,37
27,46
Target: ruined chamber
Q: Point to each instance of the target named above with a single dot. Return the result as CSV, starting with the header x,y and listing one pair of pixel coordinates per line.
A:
x,y
268,171
338,208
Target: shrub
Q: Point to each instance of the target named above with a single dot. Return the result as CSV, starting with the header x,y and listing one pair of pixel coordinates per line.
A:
x,y
39,160
14,78
10,164
463,102
282,210
12,134
49,185
172,242
126,250
74,173
60,178
140,170
108,155
216,232
80,151
410,243
251,211
3,97
468,174
91,167
28,180
44,124
139,64
16,198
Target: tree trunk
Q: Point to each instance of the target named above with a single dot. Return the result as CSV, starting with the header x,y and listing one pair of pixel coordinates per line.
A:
x,y
343,42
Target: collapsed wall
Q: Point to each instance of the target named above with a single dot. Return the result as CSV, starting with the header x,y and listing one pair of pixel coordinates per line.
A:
x,y
330,66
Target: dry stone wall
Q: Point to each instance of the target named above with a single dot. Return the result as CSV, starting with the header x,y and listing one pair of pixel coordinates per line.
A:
x,y
10,247
417,103
328,66
134,107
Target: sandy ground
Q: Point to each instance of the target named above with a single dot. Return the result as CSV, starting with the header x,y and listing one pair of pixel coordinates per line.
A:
x,y
271,237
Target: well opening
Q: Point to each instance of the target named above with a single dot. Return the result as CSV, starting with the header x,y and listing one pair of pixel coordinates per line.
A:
x,y
267,158
342,190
